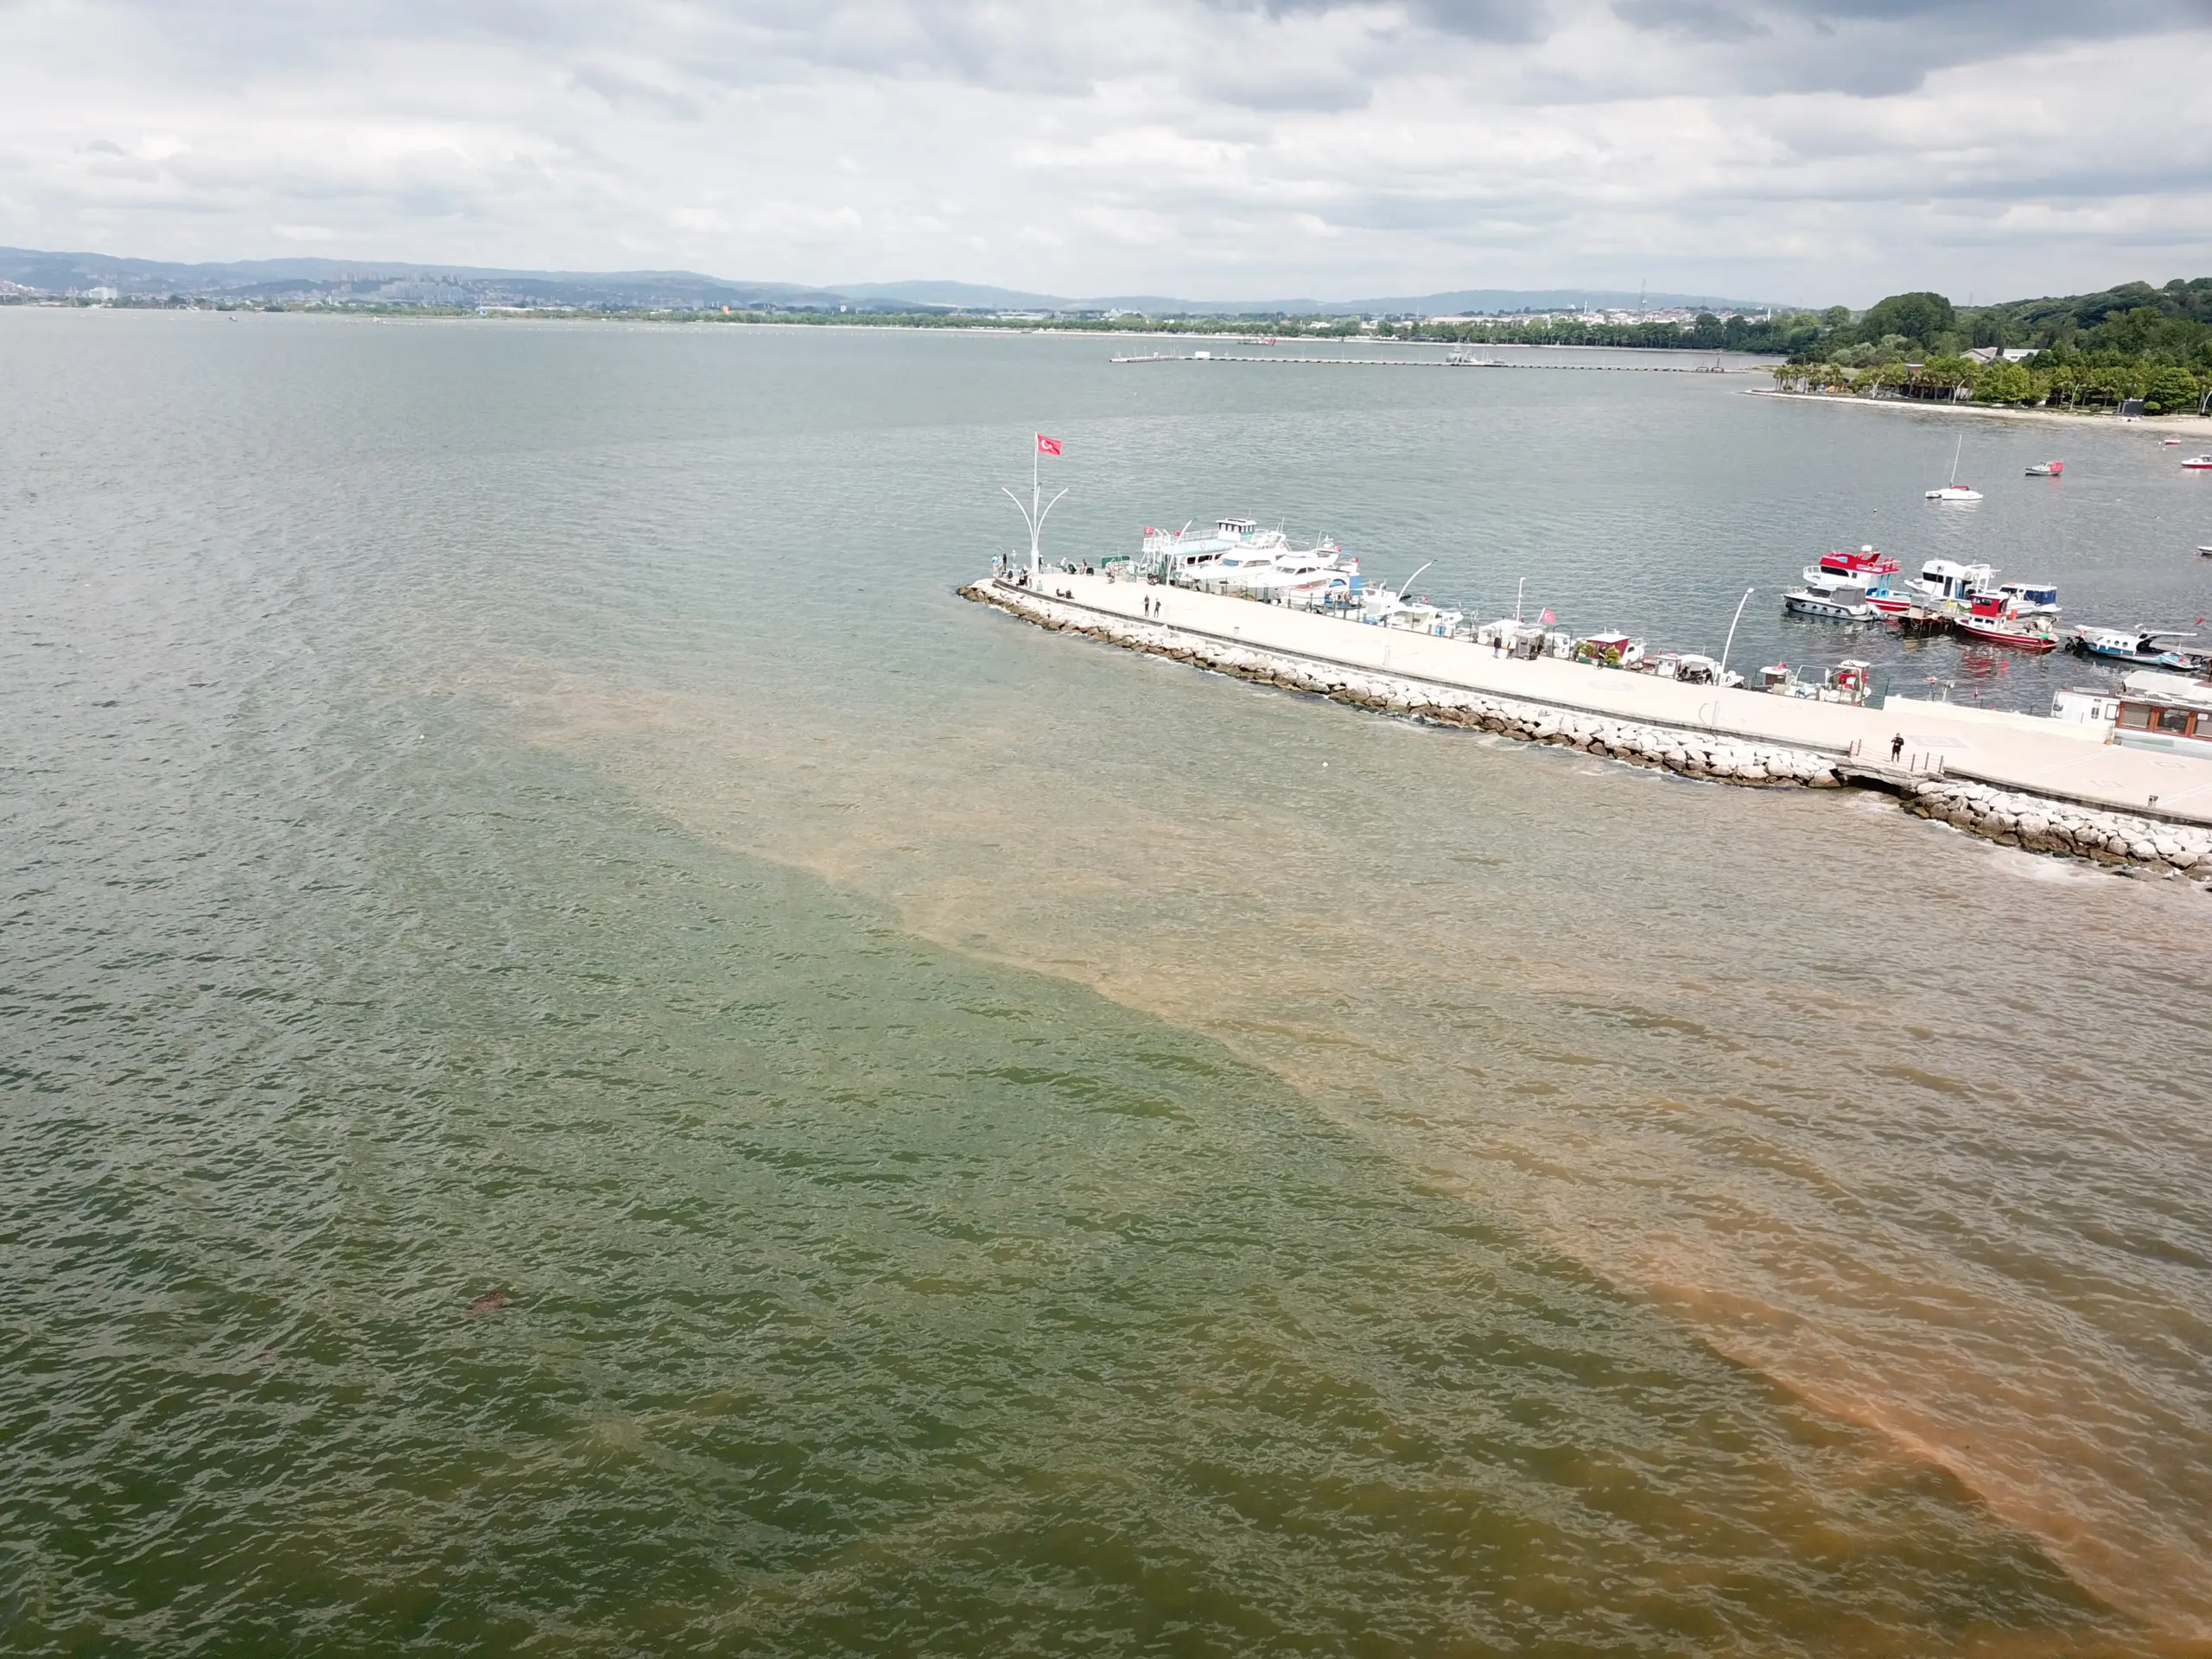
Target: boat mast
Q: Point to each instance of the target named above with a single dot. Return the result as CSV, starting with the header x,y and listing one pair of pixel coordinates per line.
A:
x,y
1722,678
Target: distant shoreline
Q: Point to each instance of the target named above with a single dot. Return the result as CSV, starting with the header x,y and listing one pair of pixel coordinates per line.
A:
x,y
1995,411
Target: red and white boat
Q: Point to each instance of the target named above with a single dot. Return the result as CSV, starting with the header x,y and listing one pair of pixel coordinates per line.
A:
x,y
1991,616
1866,567
2047,469
2199,463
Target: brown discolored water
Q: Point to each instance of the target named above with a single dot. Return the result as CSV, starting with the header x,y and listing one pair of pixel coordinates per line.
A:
x,y
991,1142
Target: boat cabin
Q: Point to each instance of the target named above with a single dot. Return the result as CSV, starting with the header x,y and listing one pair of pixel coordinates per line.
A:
x,y
2030,595
2166,711
1858,567
1943,579
2085,706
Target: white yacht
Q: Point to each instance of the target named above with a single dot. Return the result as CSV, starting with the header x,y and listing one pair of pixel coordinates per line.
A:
x,y
1238,556
1838,599
1941,579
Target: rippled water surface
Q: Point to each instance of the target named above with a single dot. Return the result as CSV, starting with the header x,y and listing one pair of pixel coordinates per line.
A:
x,y
991,1144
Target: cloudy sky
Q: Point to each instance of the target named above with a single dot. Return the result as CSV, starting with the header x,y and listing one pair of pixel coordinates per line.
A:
x,y
1806,150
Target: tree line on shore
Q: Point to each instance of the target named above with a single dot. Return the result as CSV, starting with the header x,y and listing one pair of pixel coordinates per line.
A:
x,y
2083,350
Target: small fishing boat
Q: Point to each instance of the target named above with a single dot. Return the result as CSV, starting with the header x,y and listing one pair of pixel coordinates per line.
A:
x,y
2198,464
1956,491
1689,668
1609,650
2138,647
1844,683
1991,620
2170,443
2047,469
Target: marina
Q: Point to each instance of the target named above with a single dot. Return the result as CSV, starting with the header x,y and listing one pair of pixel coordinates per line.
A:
x,y
2057,760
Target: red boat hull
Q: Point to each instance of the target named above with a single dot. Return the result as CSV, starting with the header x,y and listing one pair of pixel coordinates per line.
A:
x,y
1997,637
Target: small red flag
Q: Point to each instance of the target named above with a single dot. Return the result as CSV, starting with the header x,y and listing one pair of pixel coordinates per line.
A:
x,y
1047,446
1547,617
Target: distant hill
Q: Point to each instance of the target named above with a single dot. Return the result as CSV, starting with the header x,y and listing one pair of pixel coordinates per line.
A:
x,y
400,281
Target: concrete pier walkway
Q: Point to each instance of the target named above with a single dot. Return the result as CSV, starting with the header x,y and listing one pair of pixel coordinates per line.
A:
x,y
2046,758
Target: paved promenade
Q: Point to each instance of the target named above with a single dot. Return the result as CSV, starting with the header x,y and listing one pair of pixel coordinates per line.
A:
x,y
2021,752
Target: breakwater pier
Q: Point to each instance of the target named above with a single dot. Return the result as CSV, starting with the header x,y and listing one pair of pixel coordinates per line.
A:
x,y
2016,778
1454,361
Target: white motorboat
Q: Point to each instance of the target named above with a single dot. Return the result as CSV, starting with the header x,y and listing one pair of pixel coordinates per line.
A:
x,y
1941,579
2199,463
1237,556
1835,598
1956,491
2030,598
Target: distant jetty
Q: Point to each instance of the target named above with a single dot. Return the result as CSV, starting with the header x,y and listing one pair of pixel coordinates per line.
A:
x,y
1454,360
2015,778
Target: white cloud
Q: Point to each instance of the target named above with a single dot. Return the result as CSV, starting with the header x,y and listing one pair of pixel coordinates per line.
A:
x,y
1810,149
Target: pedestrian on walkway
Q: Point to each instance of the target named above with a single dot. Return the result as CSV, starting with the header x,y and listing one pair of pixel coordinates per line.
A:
x,y
1896,748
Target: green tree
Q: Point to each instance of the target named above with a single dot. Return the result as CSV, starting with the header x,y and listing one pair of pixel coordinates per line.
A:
x,y
2003,383
2168,390
1919,316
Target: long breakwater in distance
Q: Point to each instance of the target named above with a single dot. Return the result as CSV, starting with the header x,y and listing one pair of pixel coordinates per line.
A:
x,y
1721,736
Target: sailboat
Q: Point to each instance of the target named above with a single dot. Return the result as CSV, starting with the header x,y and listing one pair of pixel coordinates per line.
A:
x,y
1956,491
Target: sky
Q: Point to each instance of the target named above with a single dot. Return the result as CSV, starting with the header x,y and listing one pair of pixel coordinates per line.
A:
x,y
1805,151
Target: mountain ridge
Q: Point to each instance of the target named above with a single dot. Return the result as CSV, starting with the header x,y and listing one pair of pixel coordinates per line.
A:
x,y
303,277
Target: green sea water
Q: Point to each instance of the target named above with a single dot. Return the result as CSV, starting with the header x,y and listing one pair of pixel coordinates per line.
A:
x,y
989,1145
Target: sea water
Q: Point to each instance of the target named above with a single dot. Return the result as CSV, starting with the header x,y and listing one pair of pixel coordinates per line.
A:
x,y
971,1142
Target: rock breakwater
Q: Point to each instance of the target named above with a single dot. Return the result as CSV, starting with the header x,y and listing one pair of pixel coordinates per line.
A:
x,y
2044,825
2012,817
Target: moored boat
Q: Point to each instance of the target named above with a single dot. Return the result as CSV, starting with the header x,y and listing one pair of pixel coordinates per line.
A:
x,y
1609,650
1867,566
1956,491
2199,463
2031,598
1943,579
1832,598
2047,469
2139,647
1989,618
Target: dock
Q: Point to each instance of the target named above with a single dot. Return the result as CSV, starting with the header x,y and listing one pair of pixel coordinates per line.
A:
x,y
1424,363
2053,760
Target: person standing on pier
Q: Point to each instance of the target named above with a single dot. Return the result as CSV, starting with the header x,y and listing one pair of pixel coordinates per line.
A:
x,y
1896,748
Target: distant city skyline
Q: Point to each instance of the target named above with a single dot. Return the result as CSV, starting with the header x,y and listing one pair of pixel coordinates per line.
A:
x,y
1811,151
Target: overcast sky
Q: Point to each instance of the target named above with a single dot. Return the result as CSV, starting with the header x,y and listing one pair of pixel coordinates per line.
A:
x,y
1807,150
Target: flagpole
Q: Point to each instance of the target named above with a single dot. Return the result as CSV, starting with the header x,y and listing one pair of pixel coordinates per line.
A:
x,y
1036,449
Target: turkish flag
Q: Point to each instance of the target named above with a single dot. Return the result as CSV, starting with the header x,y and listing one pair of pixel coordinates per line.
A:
x,y
1547,617
1047,446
